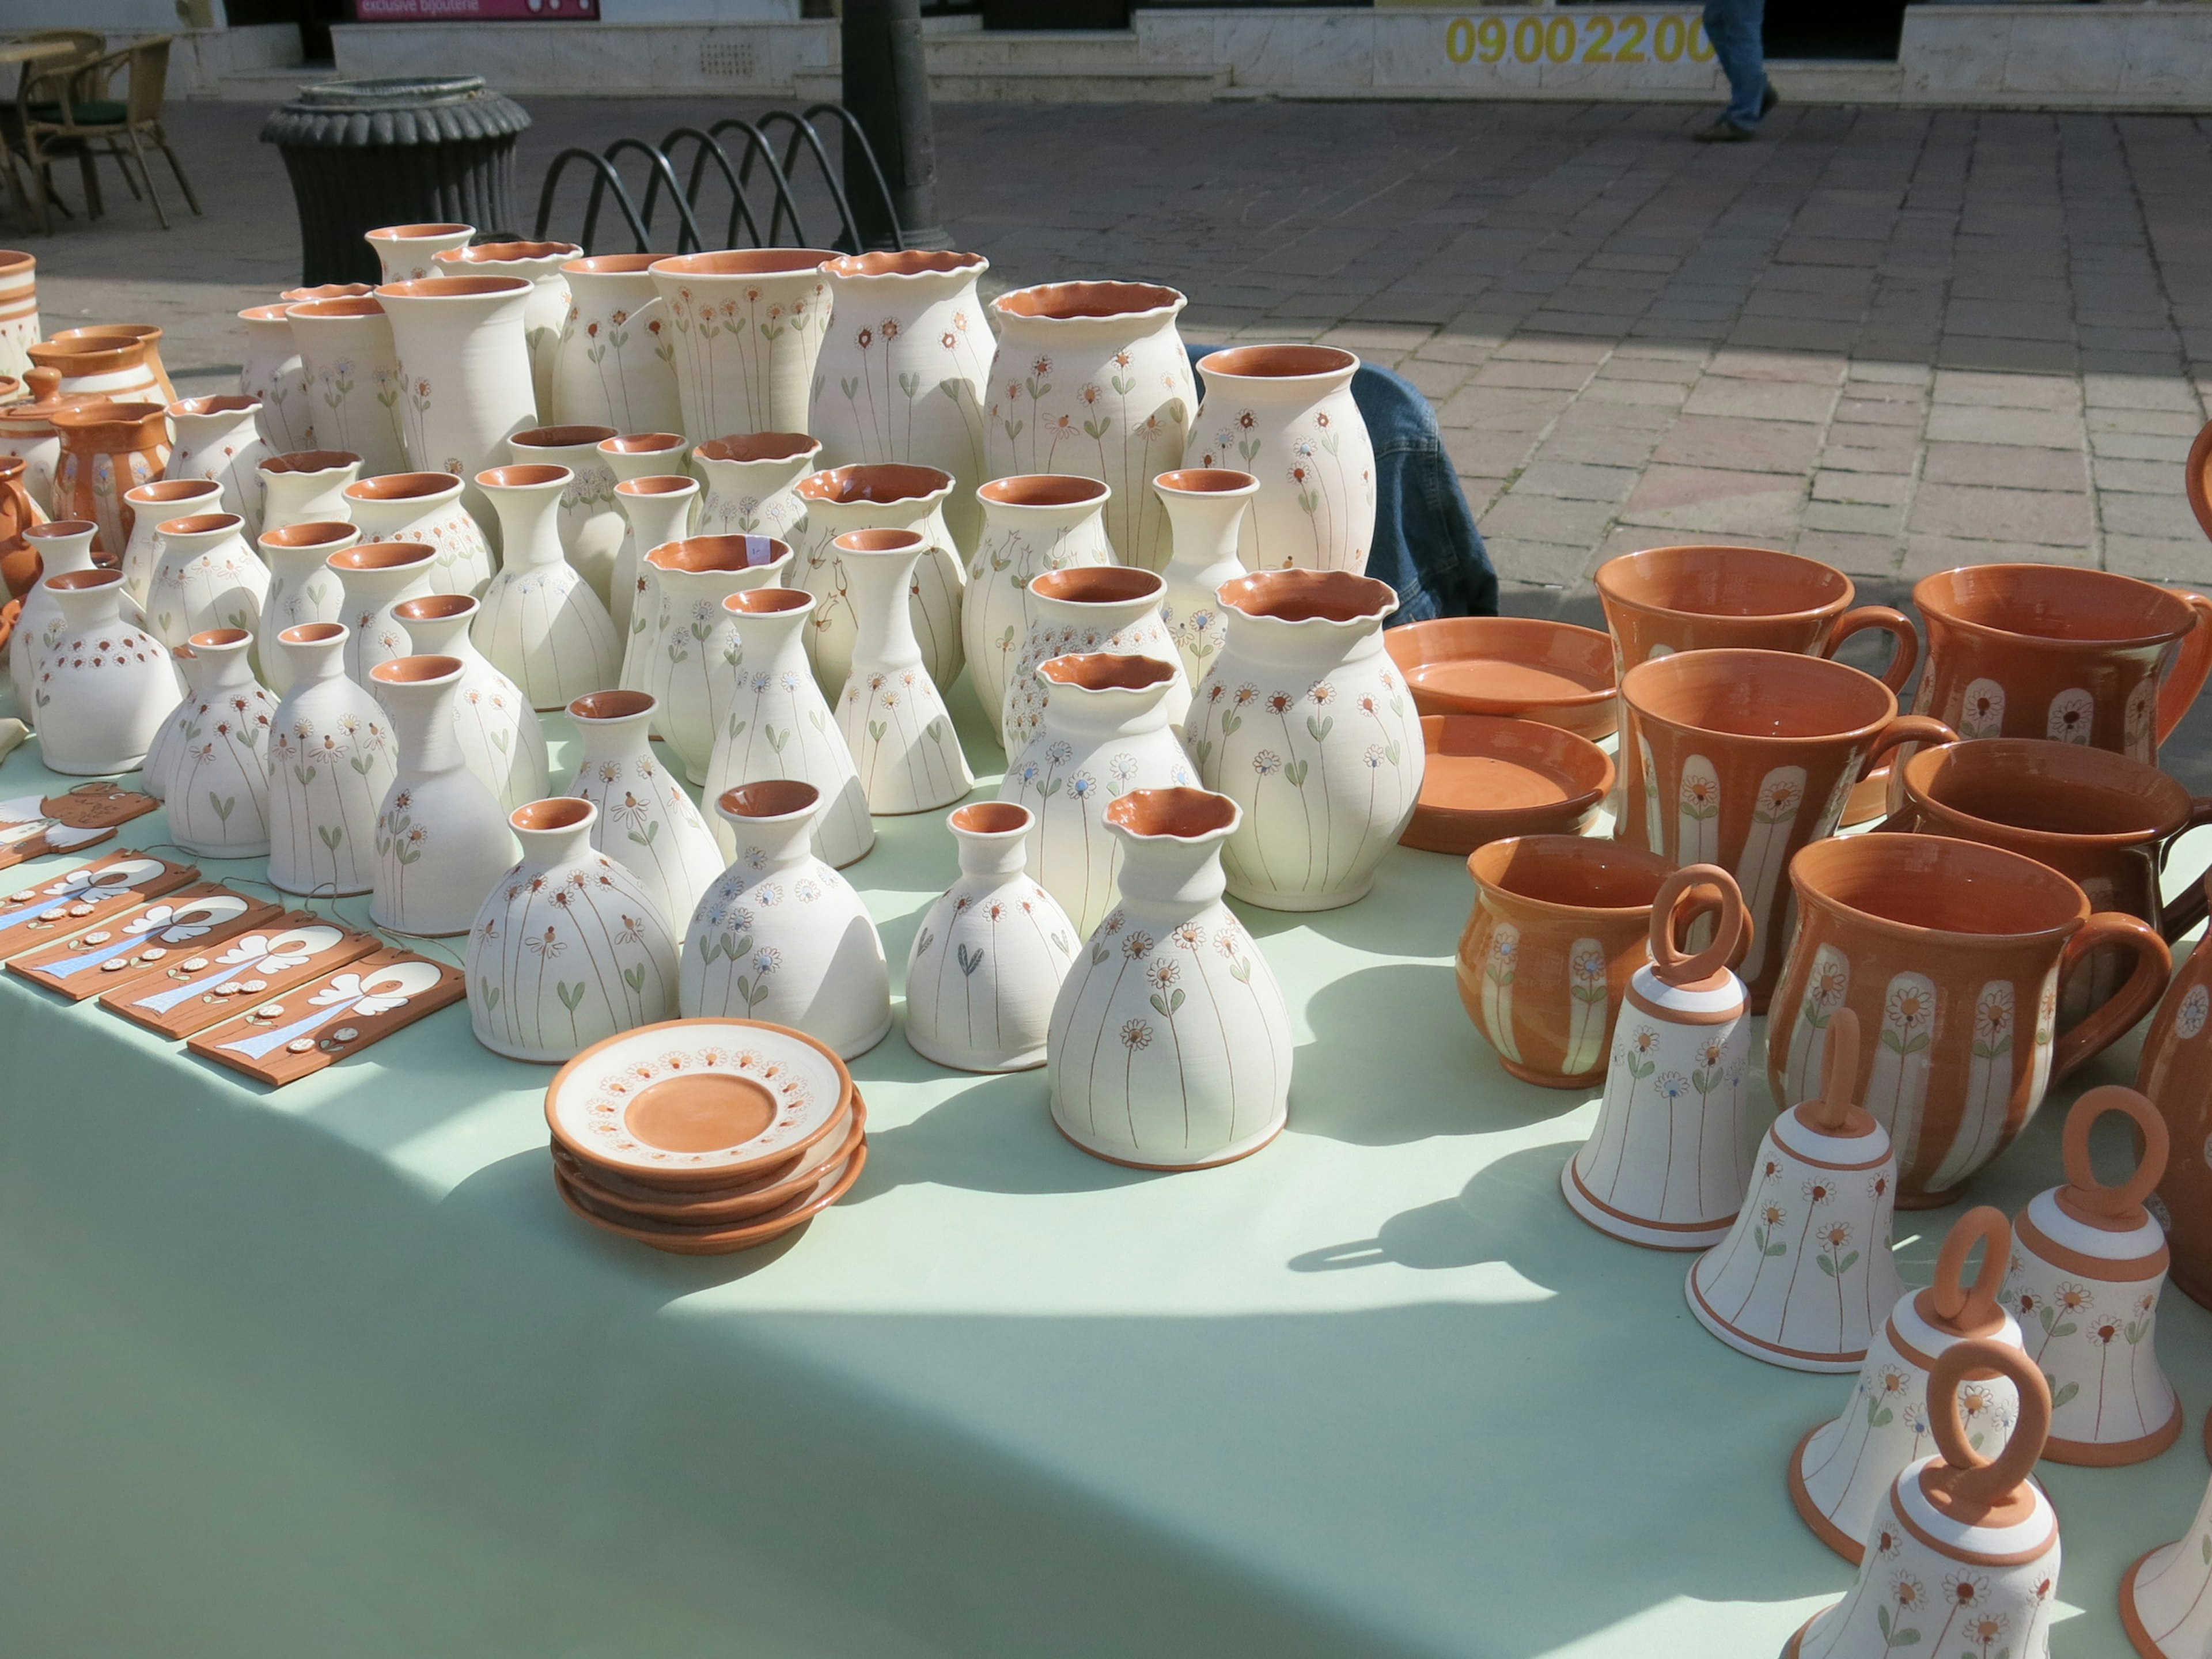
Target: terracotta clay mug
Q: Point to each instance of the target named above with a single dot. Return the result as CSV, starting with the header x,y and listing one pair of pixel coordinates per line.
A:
x,y
1741,757
1952,955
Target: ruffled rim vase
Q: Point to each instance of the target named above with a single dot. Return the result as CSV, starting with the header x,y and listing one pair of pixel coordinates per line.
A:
x,y
1031,524
889,497
543,266
1112,609
307,486
405,252
747,326
692,672
217,439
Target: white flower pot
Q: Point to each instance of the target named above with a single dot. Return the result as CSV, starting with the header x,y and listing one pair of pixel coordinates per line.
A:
x,y
502,741
614,363
541,624
1285,413
748,325
1030,525
426,507
101,690
654,510
332,760
217,440
149,507
893,717
218,786
441,839
373,577
302,588
885,497
645,822
354,379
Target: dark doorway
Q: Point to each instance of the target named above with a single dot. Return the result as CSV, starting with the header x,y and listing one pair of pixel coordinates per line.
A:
x,y
1834,28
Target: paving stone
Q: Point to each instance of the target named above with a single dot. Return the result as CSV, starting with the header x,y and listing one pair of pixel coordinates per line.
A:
x,y
2146,422
1925,555
1549,518
2145,477
2137,445
1953,386
2036,428
1864,489
1740,444
2005,466
2050,517
2138,391
1527,374
1763,400
1709,499
2166,517
2158,559
1854,554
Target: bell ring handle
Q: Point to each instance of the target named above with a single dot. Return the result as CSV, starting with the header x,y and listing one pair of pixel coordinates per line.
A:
x,y
1961,1307
1903,729
1972,1486
1832,1110
2144,987
1694,907
2191,908
2179,690
1669,960
1896,623
2123,1202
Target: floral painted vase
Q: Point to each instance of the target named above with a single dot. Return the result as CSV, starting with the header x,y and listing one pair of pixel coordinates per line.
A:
x,y
150,505
103,687
1304,721
374,579
154,771
889,497
748,325
752,484
781,936
106,450
331,761
351,369
1092,378
1032,525
590,523
307,487
902,369
541,624
426,507
567,949
633,459
1169,1045
218,788
544,313
894,720
501,740
19,311
655,510
645,822
271,372
1112,609
465,363
207,577
2175,1072
406,251
2166,1596
302,587
218,441
779,725
63,546
1105,734
441,842
1285,413
614,363
989,956
1208,510
691,673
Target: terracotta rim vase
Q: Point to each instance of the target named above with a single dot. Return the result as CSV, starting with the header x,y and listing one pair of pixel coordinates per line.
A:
x,y
613,361
1285,414
747,327
351,370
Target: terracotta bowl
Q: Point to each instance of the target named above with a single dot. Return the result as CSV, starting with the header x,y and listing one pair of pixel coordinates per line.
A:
x,y
1488,778
718,1241
1550,671
713,1206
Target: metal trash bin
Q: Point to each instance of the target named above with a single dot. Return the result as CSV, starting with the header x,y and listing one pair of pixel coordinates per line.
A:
x,y
402,151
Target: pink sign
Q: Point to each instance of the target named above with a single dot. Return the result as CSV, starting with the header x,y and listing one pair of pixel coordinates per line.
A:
x,y
476,12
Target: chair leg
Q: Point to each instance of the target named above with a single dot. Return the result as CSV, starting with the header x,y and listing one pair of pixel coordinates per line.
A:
x,y
138,150
123,166
161,137
94,206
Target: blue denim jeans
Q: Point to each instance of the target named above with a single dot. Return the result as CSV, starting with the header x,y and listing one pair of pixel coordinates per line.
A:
x,y
1734,28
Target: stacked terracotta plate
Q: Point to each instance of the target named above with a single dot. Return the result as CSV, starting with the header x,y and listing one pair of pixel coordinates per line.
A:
x,y
702,1136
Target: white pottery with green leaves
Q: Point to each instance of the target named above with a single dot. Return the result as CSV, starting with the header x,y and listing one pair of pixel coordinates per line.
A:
x,y
426,507
353,380
752,484
645,822
614,363
331,759
216,439
591,524
440,840
1207,511
302,587
1114,610
886,497
1031,524
502,738
691,673
542,625
635,458
894,718
748,325
207,577
1285,414
218,785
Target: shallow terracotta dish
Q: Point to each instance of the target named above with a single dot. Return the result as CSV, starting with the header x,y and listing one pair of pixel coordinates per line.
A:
x,y
707,1241
1487,779
714,1208
1550,671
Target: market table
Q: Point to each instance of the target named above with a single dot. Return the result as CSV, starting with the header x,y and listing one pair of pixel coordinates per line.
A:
x,y
331,1371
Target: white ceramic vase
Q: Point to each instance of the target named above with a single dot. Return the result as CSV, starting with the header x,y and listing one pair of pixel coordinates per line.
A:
x,y
64,546
373,578
633,457
752,484
881,497
218,787
1032,525
543,314
426,507
404,252
149,507
691,670
645,822
989,955
1085,609
217,440
441,839
1207,509
19,311
654,510
307,487
614,363
2165,1597
748,325
894,720
590,523
354,379
1285,413
271,373
332,760
541,624
207,577
466,367
302,587
154,771
1170,1041
502,741
782,936
101,690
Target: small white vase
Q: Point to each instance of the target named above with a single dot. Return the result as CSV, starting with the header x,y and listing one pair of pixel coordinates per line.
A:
x,y
645,822
307,487
639,455
879,497
545,312
302,588
441,841
502,741
989,956
1084,609
1285,413
64,546
466,365
1032,524
153,772
747,326
691,672
567,950
149,507
1208,508
19,311
1170,1041
102,687
217,440
591,523
354,379
752,484
893,717
426,507
654,510
332,760
218,786
779,725
207,577
541,624
614,364
406,252
373,577
781,936
271,373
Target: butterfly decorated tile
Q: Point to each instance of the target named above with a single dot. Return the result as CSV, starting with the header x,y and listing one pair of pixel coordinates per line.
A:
x,y
192,919
318,1024
192,990
56,907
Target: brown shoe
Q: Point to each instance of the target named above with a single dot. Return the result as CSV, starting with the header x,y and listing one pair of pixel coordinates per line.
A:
x,y
1722,132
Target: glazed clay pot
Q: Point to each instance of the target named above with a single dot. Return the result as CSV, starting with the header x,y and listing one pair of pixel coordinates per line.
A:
x,y
748,325
641,455
104,686
781,936
878,497
902,373
272,374
1208,510
218,440
406,252
2088,1262
1285,413
1952,955
541,624
18,310
150,505
654,510
61,546
466,362
645,822
1170,1043
989,956
501,740
614,363
26,432
1092,377
373,579
1032,525
2175,1073
331,761
307,487
1522,668
426,507
301,587
441,841
118,360
1105,734
107,449
692,669
207,577
1741,757
351,369
590,523
217,797
567,949
545,312
779,725
894,718
752,484
1078,610
1304,721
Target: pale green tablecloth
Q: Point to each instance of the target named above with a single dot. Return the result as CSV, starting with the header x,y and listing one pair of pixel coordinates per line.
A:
x,y
331,1371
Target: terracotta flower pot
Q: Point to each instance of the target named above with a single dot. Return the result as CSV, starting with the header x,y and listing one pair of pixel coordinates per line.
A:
x,y
1285,413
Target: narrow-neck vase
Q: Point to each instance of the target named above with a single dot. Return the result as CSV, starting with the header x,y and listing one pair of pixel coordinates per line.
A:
x,y
441,841
207,577
893,717
645,822
691,673
332,760
301,586
150,505
541,624
1206,509
373,578
886,497
218,797
63,545
501,738
103,686
1031,524
654,509
591,523
426,507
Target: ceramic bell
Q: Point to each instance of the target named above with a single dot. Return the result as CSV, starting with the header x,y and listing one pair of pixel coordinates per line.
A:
x,y
2165,1597
1822,1187
1840,1471
1962,1560
1665,1166
2088,1262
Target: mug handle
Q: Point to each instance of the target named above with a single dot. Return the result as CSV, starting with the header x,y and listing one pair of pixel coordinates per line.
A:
x,y
1904,729
2191,908
2190,668
2083,1191
1669,960
2145,986
1896,623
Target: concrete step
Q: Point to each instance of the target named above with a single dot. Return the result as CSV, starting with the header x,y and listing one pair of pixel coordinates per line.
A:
x,y
1138,83
1835,81
1056,49
271,86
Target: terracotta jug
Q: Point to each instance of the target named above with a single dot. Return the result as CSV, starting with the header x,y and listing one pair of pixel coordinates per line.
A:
x,y
692,669
645,822
218,788
351,366
1030,525
118,360
301,586
404,251
217,440
541,624
1206,510
887,496
307,486
441,842
2175,1073
591,523
1953,954
426,507
466,365
894,718
1083,608
105,449
101,690
26,432
150,507
613,362
542,264
747,326
19,564
1738,758
1285,413
332,760
502,741
374,578
272,373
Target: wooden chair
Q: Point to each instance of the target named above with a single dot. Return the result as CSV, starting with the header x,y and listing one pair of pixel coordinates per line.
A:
x,y
42,80
85,121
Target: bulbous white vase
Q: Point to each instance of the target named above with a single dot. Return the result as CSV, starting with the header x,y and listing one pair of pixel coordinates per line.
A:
x,y
654,510
546,311
748,325
271,373
466,364
567,949
1285,413
639,455
645,822
779,725
354,379
207,577
591,523
302,588
64,546
307,487
332,760
1207,509
752,484
990,954
150,505
502,741
1113,610
691,673
893,717
160,762
218,439
879,497
1170,1041
407,251
441,841
781,936
218,786
1033,524
100,689
1105,733
374,578
541,624
426,507
614,363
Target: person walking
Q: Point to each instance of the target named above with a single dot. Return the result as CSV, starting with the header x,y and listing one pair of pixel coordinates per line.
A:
x,y
1734,27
